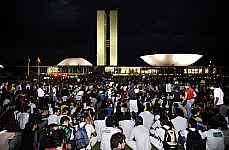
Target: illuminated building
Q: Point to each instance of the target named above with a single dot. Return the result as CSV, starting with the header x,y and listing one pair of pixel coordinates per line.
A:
x,y
107,37
101,38
113,38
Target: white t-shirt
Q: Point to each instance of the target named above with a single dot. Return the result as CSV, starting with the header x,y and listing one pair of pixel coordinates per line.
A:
x,y
40,92
127,126
107,132
168,87
136,90
133,105
80,93
141,135
27,86
218,93
157,123
32,106
179,123
159,136
109,93
72,134
148,118
6,101
53,119
18,87
215,139
23,119
99,126
54,91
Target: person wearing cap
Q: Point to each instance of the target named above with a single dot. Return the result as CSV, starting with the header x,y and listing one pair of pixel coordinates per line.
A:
x,y
218,97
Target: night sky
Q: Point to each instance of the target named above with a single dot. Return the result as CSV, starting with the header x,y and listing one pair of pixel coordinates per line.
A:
x,y
57,29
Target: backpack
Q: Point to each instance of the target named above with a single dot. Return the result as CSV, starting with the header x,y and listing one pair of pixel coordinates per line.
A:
x,y
81,138
194,141
170,141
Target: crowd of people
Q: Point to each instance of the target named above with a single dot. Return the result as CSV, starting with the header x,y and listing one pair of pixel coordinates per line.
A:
x,y
112,113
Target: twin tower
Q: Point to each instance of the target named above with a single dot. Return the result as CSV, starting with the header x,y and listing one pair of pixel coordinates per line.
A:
x,y
107,37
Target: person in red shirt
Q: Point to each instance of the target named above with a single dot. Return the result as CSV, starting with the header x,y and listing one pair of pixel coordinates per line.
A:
x,y
190,95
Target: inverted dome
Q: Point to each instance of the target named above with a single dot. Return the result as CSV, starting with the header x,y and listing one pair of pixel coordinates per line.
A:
x,y
171,59
74,62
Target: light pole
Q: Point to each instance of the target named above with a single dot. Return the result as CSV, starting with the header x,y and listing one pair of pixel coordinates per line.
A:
x,y
38,69
28,67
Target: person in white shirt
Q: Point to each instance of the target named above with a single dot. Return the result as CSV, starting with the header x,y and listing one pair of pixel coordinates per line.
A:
x,y
133,103
6,102
168,87
158,131
54,93
18,87
55,117
32,107
148,117
214,136
127,124
27,86
109,93
40,92
179,123
157,123
218,97
107,132
139,137
23,118
40,96
100,124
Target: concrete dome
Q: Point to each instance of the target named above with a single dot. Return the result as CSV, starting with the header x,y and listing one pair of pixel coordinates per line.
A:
x,y
74,62
171,59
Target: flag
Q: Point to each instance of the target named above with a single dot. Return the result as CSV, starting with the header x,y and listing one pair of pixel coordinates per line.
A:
x,y
38,60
